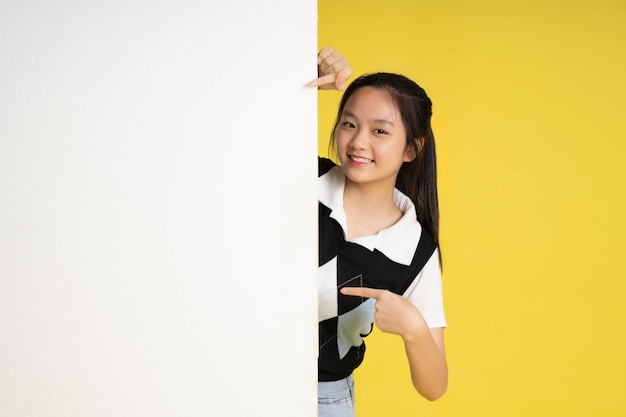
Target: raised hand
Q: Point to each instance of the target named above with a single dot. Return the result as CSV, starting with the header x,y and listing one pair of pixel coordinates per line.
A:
x,y
332,69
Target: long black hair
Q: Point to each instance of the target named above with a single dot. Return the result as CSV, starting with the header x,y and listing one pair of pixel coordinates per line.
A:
x,y
418,178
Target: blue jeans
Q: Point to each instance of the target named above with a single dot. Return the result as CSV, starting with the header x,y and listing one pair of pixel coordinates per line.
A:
x,y
336,398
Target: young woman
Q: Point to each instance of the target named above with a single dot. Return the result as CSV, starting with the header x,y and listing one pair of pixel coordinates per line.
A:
x,y
378,233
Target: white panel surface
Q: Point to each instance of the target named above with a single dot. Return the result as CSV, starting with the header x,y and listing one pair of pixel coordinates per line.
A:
x,y
158,208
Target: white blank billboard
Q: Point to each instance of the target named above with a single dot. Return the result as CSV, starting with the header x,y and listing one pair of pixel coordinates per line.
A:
x,y
158,208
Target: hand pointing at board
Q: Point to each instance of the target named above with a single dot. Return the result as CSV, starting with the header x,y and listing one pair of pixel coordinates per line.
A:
x,y
394,313
333,70
424,347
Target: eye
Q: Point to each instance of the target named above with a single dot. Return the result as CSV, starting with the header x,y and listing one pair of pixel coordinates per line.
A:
x,y
380,131
348,125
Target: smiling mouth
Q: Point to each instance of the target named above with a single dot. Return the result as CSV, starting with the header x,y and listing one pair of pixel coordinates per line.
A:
x,y
360,160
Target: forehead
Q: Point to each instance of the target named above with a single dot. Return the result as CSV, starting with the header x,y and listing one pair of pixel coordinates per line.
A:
x,y
371,102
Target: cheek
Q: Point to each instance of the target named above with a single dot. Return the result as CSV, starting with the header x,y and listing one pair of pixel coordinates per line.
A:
x,y
340,140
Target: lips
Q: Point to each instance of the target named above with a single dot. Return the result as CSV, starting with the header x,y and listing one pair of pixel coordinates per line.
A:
x,y
360,159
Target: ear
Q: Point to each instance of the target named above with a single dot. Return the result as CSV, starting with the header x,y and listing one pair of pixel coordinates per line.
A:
x,y
410,154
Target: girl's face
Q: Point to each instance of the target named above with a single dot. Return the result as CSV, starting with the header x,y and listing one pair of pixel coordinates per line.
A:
x,y
371,138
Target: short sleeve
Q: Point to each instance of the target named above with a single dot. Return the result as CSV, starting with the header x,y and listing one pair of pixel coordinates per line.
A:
x,y
426,293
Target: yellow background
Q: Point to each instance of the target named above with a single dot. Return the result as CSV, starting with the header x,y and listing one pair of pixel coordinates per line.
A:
x,y
529,102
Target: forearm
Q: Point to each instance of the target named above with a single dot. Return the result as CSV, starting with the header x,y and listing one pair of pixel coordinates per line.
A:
x,y
427,361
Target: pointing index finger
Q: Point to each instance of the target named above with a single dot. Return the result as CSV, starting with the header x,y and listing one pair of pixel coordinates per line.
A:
x,y
323,80
362,292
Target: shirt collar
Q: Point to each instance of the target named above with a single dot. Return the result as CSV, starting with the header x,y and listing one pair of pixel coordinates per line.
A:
x,y
397,242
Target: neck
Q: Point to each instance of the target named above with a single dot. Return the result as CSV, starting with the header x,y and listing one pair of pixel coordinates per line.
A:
x,y
372,197
369,208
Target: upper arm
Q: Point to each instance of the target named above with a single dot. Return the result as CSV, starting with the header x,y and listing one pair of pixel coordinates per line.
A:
x,y
437,335
426,293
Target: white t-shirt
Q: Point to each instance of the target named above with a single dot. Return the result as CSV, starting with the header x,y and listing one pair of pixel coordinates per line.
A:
x,y
402,258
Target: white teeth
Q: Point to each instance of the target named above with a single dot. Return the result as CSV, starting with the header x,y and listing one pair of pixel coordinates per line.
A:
x,y
363,160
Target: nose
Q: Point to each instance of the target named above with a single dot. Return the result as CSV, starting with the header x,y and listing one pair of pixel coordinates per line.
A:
x,y
360,139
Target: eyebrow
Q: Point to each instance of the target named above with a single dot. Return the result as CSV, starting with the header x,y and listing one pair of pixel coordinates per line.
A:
x,y
381,121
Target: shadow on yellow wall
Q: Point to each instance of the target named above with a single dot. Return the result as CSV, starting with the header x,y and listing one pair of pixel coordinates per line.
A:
x,y
528,102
